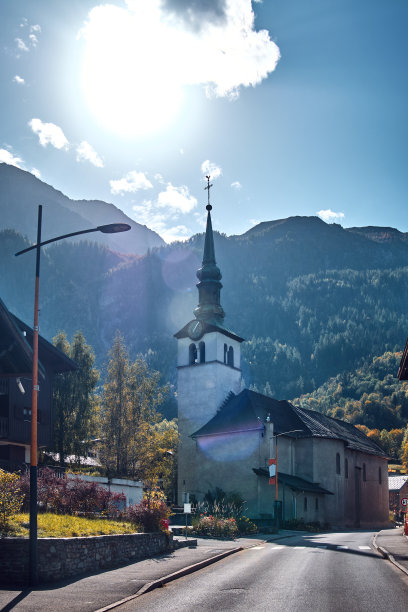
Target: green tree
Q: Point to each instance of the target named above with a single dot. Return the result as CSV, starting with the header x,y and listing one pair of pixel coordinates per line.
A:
x,y
132,395
74,399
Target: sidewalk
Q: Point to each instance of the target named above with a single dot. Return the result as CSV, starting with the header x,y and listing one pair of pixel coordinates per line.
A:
x,y
393,545
100,591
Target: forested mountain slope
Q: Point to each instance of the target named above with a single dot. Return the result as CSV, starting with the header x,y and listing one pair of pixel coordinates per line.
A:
x,y
313,300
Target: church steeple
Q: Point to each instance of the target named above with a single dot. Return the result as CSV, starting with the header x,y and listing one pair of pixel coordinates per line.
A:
x,y
209,286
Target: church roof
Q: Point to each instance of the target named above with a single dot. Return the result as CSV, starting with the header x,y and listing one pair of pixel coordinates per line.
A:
x,y
294,482
248,411
209,327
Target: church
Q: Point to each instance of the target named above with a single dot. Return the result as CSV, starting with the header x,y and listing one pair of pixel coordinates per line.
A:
x,y
286,462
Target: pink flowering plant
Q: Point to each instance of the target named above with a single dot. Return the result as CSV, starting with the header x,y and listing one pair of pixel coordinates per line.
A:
x,y
215,526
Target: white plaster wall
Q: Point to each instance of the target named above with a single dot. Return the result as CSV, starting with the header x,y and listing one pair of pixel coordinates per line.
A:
x,y
132,489
201,390
214,348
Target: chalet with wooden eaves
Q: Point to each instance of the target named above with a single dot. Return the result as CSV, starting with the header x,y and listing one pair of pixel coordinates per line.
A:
x,y
16,358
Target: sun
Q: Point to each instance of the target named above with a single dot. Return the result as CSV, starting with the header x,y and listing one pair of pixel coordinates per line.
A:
x,y
126,79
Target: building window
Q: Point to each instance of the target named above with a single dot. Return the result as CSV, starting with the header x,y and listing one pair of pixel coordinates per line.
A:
x,y
346,468
364,473
225,353
201,346
192,353
379,476
305,504
317,504
231,356
337,463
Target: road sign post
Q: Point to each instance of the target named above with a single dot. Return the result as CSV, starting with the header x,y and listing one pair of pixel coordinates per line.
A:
x,y
187,510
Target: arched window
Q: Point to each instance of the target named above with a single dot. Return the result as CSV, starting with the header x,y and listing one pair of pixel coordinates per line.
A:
x,y
346,468
225,353
192,353
379,476
337,463
364,472
231,356
201,347
305,504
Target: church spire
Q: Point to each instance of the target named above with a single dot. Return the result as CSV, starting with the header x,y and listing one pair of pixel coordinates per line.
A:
x,y
209,286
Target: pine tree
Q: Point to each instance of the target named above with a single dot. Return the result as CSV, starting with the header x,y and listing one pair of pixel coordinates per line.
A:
x,y
74,400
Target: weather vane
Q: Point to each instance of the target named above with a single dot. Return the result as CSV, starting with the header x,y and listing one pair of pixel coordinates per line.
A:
x,y
208,207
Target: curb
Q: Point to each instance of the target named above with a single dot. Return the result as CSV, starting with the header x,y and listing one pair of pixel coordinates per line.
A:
x,y
150,586
388,556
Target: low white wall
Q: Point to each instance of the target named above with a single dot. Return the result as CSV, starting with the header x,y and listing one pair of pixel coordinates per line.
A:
x,y
132,489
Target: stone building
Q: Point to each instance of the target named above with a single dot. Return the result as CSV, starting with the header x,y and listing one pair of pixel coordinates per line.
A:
x,y
328,470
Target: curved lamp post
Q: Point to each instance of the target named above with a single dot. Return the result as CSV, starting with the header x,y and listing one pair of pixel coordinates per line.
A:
x,y
112,228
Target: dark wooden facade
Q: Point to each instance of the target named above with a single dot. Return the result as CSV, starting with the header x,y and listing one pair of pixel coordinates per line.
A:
x,y
16,388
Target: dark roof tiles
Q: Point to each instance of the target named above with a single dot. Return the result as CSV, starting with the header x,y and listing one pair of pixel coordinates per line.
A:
x,y
249,410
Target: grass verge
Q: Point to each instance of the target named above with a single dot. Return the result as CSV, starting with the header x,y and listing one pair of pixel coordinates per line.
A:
x,y
66,526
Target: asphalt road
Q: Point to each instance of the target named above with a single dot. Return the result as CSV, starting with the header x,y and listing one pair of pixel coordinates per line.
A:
x,y
335,572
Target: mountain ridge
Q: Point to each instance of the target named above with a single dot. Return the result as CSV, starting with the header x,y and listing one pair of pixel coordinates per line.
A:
x,y
21,192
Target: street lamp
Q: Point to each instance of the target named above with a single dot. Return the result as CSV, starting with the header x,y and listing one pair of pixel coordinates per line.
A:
x,y
106,229
273,464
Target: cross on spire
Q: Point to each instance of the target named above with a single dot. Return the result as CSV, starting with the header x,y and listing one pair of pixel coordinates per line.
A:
x,y
208,207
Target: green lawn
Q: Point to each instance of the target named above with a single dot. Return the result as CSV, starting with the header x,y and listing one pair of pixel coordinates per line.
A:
x,y
65,526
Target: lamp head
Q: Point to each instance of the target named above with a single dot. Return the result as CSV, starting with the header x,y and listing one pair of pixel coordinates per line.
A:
x,y
113,228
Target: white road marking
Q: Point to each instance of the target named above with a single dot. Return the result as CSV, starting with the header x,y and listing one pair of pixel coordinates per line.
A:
x,y
257,547
277,547
300,547
365,547
343,547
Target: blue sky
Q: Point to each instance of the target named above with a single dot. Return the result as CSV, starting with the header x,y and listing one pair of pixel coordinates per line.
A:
x,y
294,107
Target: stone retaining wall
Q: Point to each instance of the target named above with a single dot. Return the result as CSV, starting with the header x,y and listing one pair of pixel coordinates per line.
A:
x,y
60,558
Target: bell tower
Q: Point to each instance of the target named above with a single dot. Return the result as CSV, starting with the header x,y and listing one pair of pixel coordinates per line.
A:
x,y
208,366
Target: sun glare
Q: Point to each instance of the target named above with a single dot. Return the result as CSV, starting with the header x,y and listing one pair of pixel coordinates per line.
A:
x,y
126,81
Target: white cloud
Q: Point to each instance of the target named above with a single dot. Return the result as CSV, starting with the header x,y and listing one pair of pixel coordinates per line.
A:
x,y
329,215
163,214
18,79
33,40
21,44
160,221
178,198
132,182
158,47
85,152
254,222
49,133
210,169
9,158
36,172
236,185
35,28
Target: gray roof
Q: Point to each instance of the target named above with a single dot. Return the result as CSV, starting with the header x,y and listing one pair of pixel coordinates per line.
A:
x,y
248,411
295,482
395,483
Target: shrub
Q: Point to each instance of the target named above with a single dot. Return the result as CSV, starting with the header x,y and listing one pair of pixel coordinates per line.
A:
x,y
148,514
221,504
72,496
11,498
245,525
215,526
